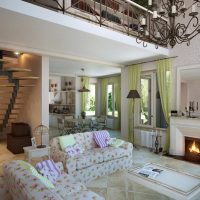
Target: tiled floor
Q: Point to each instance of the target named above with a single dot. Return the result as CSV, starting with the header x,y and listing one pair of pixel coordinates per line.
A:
x,y
117,186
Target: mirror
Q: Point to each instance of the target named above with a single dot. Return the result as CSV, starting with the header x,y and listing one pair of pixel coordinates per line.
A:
x,y
189,90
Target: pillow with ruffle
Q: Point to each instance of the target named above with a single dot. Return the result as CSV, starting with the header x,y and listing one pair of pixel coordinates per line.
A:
x,y
74,150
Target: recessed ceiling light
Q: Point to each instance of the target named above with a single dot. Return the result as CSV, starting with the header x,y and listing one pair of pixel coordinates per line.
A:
x,y
17,53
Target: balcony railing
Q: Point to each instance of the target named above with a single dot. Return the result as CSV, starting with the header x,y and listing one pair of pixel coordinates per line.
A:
x,y
118,15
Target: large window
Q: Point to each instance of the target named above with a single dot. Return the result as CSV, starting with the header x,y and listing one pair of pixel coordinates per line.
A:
x,y
111,101
91,103
151,112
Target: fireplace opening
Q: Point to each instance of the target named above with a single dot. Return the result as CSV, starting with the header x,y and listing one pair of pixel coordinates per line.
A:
x,y
192,149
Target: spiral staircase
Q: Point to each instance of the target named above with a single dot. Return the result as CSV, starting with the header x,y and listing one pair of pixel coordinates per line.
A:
x,y
14,85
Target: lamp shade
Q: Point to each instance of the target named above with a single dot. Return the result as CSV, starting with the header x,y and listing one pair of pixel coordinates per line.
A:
x,y
84,89
133,94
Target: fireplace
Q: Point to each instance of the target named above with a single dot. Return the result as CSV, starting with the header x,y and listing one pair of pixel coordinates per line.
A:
x,y
192,149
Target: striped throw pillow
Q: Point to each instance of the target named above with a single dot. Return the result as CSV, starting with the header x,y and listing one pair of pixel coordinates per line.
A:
x,y
101,138
50,165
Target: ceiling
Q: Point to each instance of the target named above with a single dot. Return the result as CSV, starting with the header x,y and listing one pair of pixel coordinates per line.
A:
x,y
73,67
77,43
190,74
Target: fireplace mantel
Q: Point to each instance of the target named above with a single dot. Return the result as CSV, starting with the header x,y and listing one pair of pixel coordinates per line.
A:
x,y
179,128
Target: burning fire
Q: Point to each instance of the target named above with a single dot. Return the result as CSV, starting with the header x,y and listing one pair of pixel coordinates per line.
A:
x,y
193,148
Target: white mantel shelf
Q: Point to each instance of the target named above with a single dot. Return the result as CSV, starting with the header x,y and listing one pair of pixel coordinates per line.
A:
x,y
181,127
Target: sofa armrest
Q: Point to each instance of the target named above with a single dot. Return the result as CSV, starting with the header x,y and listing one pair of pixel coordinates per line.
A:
x,y
129,147
68,162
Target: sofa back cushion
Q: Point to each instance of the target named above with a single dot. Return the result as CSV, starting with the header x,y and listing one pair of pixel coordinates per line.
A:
x,y
33,171
67,140
89,141
86,140
23,185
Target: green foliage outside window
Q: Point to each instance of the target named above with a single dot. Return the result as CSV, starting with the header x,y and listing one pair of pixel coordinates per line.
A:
x,y
143,3
92,104
110,100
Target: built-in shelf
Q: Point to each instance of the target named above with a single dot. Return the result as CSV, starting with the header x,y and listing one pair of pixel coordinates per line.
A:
x,y
67,91
62,104
62,98
62,114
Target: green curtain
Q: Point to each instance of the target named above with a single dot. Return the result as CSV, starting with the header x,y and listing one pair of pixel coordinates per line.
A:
x,y
164,75
117,92
133,84
84,95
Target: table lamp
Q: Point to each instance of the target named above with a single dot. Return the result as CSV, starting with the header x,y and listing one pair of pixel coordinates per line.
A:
x,y
40,130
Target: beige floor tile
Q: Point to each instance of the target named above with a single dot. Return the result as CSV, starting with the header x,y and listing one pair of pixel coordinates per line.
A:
x,y
145,196
115,194
99,183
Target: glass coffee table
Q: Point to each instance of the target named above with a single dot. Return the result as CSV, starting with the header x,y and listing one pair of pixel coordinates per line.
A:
x,y
169,182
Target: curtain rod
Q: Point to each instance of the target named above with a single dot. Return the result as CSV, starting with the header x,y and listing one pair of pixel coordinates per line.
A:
x,y
152,61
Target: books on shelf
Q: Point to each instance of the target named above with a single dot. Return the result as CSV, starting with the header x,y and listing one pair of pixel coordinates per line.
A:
x,y
149,171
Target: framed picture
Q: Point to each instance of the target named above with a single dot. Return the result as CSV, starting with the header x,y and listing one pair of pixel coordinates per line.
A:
x,y
33,142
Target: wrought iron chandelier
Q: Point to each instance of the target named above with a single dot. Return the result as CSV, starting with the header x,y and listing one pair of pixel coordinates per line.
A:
x,y
163,23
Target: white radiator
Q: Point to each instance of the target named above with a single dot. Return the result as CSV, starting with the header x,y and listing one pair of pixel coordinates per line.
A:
x,y
144,138
110,123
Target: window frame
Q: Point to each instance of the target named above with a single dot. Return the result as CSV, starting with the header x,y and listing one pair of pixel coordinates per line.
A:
x,y
153,88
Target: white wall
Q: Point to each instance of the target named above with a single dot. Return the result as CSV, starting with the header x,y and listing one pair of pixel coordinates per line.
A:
x,y
184,96
31,112
36,108
45,90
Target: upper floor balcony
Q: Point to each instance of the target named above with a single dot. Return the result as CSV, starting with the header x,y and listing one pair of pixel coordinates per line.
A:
x,y
99,33
123,16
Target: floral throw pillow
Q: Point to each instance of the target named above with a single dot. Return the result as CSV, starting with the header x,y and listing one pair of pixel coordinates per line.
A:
x,y
74,150
114,142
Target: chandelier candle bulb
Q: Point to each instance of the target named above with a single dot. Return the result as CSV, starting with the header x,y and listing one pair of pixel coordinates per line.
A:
x,y
193,8
158,35
143,22
155,14
146,33
173,9
150,2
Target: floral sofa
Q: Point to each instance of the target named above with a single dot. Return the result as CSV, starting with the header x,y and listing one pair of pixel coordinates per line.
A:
x,y
22,185
94,162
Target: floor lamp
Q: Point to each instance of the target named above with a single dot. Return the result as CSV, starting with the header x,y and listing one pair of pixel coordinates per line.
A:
x,y
133,94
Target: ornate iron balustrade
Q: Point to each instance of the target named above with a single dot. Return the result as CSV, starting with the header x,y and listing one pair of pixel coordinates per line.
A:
x,y
117,15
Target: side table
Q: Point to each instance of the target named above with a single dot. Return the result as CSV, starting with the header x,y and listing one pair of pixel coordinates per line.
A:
x,y
33,152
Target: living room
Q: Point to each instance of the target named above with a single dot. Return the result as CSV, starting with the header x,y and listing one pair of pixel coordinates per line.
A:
x,y
155,137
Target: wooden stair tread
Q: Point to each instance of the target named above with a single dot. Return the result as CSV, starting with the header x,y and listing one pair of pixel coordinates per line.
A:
x,y
7,85
3,78
27,85
4,61
26,77
6,89
16,69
